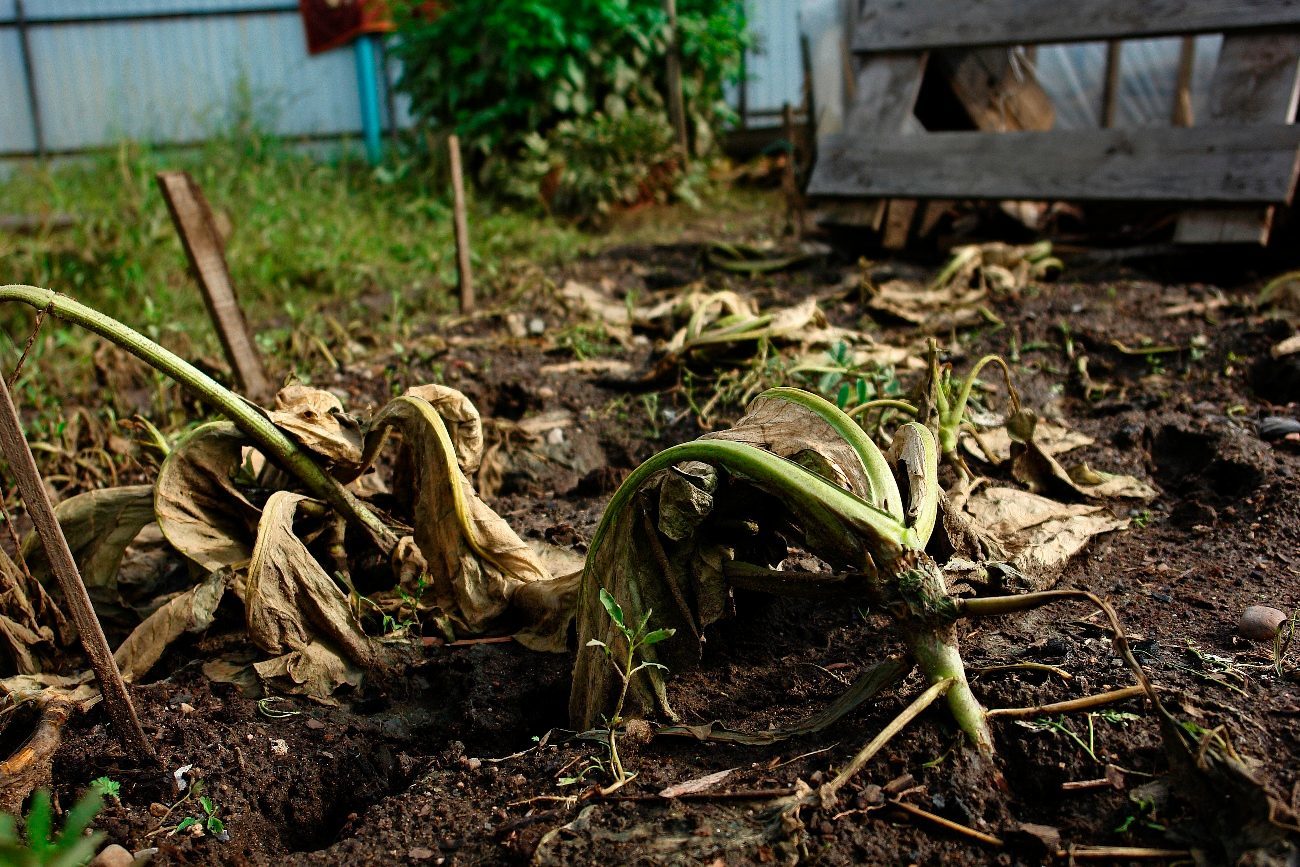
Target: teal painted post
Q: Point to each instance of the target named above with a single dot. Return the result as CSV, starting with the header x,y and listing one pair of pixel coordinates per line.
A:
x,y
367,54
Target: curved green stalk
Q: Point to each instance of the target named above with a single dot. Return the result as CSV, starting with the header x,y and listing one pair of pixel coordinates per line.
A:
x,y
884,488
959,408
245,415
888,535
910,585
882,403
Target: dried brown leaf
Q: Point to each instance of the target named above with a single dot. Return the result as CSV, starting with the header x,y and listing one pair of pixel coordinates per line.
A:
x,y
314,418
475,560
191,611
1038,535
200,510
1042,473
315,670
289,599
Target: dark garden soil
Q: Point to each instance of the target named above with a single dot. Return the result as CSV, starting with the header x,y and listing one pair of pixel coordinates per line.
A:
x,y
459,760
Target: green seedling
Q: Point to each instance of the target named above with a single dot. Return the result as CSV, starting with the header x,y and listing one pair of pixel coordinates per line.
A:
x,y
72,847
211,825
625,663
1141,814
107,788
945,400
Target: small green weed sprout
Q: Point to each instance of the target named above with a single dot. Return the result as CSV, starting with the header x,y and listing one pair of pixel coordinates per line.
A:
x,y
107,787
209,822
626,665
71,848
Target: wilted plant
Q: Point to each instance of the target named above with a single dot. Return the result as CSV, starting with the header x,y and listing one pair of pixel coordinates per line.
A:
x,y
943,403
946,400
876,527
716,513
227,498
71,847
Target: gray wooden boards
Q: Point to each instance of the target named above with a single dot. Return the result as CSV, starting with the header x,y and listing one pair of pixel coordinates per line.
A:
x,y
913,25
1201,164
206,252
1256,81
885,93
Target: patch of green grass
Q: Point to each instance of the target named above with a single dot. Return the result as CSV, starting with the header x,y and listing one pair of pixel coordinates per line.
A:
x,y
325,253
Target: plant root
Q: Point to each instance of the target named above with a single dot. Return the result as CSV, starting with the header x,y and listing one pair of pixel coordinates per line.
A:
x,y
1086,702
826,794
959,828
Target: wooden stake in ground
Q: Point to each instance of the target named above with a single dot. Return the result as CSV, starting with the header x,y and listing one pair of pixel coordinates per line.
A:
x,y
790,178
464,276
206,251
676,105
116,700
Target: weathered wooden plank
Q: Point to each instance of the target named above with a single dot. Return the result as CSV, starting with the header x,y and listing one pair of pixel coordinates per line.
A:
x,y
898,223
998,96
206,252
1181,113
1256,80
460,227
909,25
1110,84
1203,164
885,93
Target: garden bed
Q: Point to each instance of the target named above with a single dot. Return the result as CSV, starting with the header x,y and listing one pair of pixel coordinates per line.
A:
x,y
462,758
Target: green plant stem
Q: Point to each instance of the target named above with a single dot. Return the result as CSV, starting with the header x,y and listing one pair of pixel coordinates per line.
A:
x,y
617,719
882,403
245,416
934,647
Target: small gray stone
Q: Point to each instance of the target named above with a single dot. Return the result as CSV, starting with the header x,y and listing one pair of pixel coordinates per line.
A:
x,y
1260,622
113,855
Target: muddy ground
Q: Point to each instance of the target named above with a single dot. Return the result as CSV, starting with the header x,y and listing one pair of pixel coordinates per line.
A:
x,y
459,760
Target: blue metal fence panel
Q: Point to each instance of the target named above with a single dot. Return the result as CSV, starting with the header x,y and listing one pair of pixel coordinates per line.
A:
x,y
174,80
774,65
15,116
55,9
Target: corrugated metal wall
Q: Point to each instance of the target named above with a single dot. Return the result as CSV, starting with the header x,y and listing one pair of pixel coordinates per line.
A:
x,y
165,71
774,65
170,71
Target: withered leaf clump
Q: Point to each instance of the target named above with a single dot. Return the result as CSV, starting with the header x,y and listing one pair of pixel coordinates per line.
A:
x,y
238,524
675,541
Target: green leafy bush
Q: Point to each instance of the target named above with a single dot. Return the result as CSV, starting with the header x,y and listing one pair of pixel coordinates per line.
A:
x,y
494,72
585,167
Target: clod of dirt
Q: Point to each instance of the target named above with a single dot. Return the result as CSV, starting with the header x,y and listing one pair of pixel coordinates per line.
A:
x,y
1037,840
1260,622
1211,457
